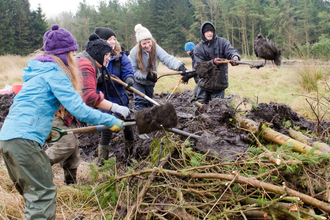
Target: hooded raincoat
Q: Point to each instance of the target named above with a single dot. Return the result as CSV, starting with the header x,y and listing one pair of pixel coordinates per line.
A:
x,y
206,51
45,87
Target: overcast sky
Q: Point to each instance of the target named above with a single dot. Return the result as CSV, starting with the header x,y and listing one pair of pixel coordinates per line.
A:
x,y
54,7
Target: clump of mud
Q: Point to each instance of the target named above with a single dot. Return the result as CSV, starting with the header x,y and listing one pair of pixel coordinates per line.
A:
x,y
6,101
156,118
277,114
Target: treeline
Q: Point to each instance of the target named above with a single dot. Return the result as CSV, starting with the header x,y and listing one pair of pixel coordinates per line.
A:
x,y
21,30
300,28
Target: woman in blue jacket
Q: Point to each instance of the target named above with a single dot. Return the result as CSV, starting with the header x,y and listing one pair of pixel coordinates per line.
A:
x,y
120,66
50,79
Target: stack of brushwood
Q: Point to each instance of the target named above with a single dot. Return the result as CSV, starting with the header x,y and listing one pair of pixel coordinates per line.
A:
x,y
277,177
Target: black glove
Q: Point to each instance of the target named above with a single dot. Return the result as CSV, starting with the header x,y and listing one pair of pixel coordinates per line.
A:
x,y
186,77
130,81
183,69
152,76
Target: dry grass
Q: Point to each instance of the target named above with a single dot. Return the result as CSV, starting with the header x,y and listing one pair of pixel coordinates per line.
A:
x,y
11,69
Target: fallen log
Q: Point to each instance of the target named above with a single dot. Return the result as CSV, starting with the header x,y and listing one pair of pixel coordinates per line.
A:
x,y
306,140
274,136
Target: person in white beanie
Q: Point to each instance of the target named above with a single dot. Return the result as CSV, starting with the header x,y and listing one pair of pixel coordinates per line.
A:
x,y
143,58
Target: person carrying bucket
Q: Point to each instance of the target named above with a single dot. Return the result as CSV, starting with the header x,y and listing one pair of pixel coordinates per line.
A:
x,y
120,66
143,58
50,80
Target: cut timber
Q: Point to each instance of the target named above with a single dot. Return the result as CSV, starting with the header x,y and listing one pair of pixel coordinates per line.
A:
x,y
306,140
274,136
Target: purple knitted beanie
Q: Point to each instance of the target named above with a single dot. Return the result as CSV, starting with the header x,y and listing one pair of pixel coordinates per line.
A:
x,y
59,41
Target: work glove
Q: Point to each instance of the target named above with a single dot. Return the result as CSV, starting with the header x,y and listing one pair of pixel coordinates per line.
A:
x,y
118,125
123,110
130,81
218,60
233,63
182,69
152,76
186,77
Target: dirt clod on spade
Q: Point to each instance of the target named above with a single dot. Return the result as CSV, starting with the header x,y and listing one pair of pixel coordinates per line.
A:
x,y
153,119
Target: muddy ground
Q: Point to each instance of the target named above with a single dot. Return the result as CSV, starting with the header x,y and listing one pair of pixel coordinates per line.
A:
x,y
216,126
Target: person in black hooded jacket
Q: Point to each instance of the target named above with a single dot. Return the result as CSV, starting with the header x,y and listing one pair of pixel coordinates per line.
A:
x,y
214,81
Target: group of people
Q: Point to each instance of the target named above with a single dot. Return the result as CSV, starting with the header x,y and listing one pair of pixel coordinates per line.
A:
x,y
62,89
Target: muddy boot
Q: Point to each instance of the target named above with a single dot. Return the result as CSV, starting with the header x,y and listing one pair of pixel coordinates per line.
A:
x,y
70,176
128,146
103,154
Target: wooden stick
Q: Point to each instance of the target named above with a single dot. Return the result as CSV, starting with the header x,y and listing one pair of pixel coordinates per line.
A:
x,y
249,181
276,137
152,176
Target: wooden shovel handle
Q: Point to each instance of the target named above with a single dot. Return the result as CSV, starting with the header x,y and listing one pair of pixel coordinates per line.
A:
x,y
117,80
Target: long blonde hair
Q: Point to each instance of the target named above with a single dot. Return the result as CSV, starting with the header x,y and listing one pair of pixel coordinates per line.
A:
x,y
73,74
72,71
152,56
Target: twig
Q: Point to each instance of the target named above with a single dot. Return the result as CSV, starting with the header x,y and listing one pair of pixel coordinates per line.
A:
x,y
99,204
144,190
236,175
113,217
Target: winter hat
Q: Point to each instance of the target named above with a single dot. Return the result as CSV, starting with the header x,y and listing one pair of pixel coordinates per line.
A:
x,y
97,48
189,46
104,33
60,42
207,27
141,33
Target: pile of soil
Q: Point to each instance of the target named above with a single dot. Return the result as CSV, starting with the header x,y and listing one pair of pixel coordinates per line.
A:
x,y
216,126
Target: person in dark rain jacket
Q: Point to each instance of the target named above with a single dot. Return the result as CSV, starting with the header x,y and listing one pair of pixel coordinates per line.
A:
x,y
209,51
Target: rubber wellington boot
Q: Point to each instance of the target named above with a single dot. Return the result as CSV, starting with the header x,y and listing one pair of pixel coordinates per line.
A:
x,y
103,154
70,176
128,146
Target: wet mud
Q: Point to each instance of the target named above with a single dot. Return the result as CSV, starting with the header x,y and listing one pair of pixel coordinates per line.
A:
x,y
216,126
156,118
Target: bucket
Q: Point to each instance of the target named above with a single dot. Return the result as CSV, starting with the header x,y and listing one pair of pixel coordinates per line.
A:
x,y
4,91
16,88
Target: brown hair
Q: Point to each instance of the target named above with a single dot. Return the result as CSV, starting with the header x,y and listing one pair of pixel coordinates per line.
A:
x,y
152,56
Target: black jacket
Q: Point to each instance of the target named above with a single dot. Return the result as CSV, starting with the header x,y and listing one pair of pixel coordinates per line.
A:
x,y
205,51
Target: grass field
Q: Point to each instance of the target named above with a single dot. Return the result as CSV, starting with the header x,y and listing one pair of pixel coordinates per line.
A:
x,y
289,85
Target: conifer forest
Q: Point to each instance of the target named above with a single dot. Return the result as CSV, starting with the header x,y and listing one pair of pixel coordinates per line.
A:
x,y
300,28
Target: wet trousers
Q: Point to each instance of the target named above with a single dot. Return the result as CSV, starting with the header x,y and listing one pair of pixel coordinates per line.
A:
x,y
66,150
29,168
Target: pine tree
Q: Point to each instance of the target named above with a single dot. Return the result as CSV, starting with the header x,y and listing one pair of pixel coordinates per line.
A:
x,y
7,32
38,26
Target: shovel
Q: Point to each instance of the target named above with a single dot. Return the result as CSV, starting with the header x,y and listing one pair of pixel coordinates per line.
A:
x,y
141,113
242,62
176,87
174,74
62,132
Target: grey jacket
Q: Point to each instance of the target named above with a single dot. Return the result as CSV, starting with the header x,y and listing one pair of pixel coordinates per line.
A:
x,y
206,51
168,60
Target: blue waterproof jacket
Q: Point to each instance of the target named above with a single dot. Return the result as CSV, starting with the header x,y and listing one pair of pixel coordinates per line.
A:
x,y
45,87
122,68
